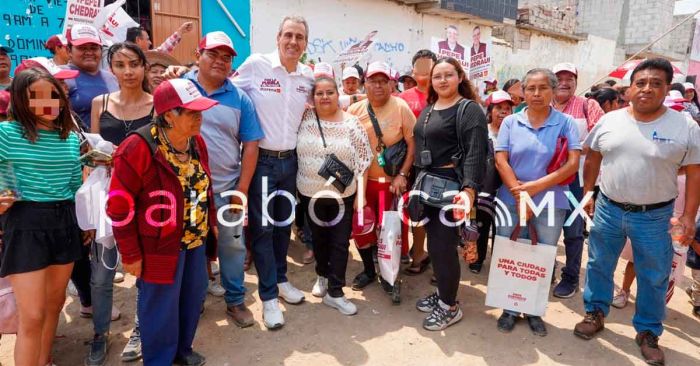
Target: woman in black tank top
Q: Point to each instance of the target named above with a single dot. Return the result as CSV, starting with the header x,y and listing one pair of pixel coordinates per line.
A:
x,y
119,113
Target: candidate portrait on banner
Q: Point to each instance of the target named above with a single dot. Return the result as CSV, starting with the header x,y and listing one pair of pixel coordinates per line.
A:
x,y
478,47
450,45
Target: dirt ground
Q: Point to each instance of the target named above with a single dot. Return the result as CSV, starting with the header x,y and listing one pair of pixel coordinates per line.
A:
x,y
385,334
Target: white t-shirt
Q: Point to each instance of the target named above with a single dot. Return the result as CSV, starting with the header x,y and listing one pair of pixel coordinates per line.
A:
x,y
641,159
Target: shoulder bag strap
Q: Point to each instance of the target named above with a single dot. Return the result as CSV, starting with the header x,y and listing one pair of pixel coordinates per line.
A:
x,y
375,125
320,129
105,102
459,121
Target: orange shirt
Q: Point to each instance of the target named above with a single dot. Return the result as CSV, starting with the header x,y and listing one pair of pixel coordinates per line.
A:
x,y
396,120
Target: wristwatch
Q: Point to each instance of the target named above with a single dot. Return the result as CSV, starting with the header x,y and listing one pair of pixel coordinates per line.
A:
x,y
403,174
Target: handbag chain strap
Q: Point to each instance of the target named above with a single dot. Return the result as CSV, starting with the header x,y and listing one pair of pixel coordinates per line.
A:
x,y
377,130
320,129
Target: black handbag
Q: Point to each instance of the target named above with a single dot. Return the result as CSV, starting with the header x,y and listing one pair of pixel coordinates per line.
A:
x,y
435,189
333,167
394,155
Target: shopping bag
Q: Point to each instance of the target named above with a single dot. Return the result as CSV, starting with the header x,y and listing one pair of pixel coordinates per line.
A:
x,y
389,246
90,207
520,274
9,319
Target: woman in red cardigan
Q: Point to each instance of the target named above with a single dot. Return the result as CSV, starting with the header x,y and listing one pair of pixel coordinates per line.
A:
x,y
162,208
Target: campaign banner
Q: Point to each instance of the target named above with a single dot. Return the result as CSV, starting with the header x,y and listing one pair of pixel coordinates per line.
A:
x,y
449,46
27,24
354,53
81,12
479,56
112,22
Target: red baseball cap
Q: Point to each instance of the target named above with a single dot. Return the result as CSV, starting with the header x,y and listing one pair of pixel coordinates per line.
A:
x,y
57,40
378,67
499,96
180,93
4,101
81,34
366,225
217,39
44,63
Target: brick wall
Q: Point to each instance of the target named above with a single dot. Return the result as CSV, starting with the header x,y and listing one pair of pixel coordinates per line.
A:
x,y
553,15
600,18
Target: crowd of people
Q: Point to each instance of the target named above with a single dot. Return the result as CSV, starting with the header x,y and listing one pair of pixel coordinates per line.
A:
x,y
211,166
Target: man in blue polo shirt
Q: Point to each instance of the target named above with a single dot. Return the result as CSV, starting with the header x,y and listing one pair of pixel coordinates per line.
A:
x,y
225,127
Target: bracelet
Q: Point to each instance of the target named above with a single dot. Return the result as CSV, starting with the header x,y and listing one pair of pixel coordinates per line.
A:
x,y
403,174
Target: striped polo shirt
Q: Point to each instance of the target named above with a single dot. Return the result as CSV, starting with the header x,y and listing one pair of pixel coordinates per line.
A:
x,y
44,171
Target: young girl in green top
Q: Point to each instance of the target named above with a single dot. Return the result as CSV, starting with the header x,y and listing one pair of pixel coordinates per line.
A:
x,y
41,237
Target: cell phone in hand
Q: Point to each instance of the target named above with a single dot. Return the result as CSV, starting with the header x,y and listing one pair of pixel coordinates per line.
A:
x,y
94,158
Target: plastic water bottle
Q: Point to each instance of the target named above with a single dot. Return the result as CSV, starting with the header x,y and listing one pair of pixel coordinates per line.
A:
x,y
677,231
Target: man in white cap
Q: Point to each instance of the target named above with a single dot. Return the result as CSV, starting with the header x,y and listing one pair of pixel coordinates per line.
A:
x,y
85,49
586,113
280,87
395,120
58,46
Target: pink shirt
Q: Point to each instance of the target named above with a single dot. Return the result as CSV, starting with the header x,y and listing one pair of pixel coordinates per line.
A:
x,y
416,100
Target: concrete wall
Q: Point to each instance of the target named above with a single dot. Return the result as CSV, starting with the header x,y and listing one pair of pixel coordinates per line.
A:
x,y
594,57
334,24
600,17
647,20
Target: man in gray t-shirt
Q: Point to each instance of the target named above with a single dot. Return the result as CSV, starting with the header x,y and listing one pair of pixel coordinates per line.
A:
x,y
640,150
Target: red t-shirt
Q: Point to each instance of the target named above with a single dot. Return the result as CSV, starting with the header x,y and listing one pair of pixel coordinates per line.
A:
x,y
415,99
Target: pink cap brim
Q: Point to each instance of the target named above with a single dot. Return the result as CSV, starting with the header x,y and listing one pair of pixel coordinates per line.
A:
x,y
498,101
200,104
66,74
82,41
222,46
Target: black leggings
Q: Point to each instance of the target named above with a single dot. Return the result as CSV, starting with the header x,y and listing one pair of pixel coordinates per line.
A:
x,y
331,239
82,272
442,248
485,221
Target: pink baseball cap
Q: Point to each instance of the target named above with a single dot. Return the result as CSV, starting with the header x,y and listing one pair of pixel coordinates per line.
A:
x,y
44,63
366,225
323,69
81,34
217,39
180,93
689,86
565,66
4,101
499,96
56,40
378,67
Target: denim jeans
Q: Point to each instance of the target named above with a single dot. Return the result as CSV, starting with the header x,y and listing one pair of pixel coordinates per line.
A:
x,y
573,239
652,251
273,178
103,263
232,251
546,234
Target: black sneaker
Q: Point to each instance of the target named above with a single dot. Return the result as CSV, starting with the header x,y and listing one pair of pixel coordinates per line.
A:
x,y
98,351
193,359
565,289
506,322
536,325
362,280
428,303
441,318
696,311
475,268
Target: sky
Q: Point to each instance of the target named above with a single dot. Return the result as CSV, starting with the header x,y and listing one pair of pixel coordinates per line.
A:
x,y
687,7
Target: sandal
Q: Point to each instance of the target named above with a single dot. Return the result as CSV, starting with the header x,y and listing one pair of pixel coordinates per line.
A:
x,y
417,268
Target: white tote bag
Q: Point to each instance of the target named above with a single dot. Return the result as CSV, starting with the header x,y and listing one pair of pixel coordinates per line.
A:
x,y
389,246
520,274
90,208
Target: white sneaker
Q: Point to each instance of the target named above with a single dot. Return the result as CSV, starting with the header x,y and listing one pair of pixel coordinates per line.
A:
x,y
215,268
118,277
320,287
272,315
215,288
289,293
341,303
620,300
72,290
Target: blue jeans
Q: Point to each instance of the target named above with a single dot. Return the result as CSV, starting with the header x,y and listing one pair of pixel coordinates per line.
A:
x,y
169,314
271,239
103,263
232,251
652,251
546,234
573,239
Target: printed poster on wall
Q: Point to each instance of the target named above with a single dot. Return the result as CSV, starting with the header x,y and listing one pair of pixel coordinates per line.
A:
x,y
474,57
354,53
81,12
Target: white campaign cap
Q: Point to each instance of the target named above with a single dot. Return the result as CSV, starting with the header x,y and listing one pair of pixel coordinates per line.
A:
x,y
81,34
180,93
350,72
323,69
217,39
565,66
379,67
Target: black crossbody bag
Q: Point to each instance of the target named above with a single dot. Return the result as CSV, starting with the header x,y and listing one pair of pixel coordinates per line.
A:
x,y
333,167
433,187
395,154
